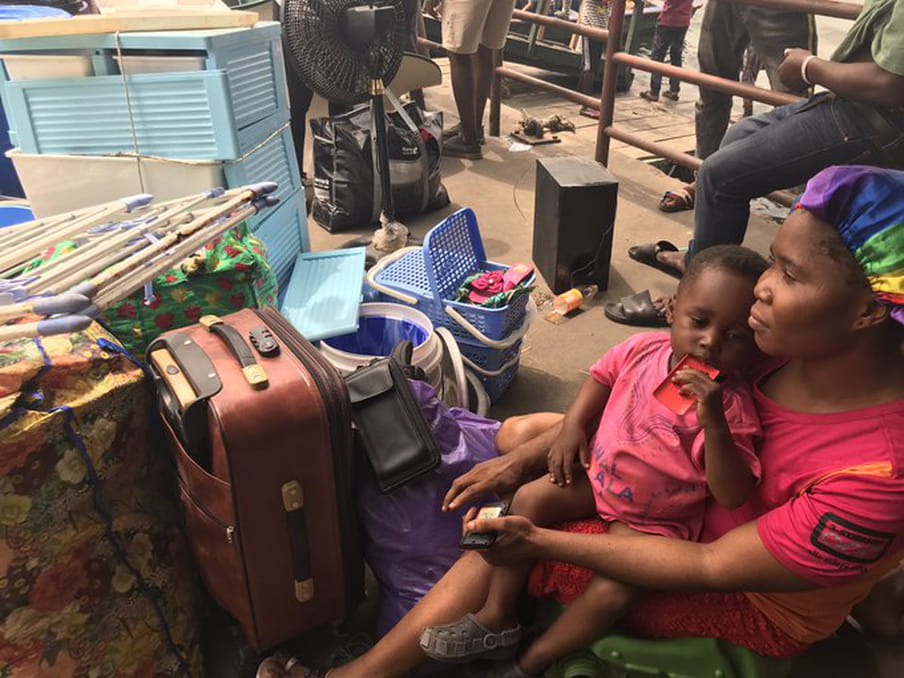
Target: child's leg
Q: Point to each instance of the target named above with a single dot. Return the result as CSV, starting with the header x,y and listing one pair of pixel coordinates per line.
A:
x,y
545,504
660,47
582,622
516,431
676,49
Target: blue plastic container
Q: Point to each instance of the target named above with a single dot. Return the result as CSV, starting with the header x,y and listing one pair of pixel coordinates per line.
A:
x,y
10,215
20,12
378,335
284,230
254,85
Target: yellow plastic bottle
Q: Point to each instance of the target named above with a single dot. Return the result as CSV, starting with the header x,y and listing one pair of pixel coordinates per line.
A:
x,y
573,298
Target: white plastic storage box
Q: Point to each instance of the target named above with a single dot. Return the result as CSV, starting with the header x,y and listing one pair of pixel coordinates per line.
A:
x,y
46,66
59,183
251,57
136,64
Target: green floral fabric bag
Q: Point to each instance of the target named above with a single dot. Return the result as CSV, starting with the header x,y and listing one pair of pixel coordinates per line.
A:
x,y
228,274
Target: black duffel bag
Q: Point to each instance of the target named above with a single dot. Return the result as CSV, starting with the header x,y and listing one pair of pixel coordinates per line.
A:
x,y
347,191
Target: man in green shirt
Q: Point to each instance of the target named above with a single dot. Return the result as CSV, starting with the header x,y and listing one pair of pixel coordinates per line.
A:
x,y
860,120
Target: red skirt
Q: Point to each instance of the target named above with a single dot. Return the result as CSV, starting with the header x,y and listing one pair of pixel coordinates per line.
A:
x,y
727,616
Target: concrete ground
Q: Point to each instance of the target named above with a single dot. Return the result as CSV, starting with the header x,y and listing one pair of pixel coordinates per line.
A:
x,y
555,358
500,189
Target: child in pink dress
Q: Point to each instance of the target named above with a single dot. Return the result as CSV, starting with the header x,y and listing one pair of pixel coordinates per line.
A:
x,y
647,470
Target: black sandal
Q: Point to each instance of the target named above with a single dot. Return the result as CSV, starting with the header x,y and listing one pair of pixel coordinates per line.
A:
x,y
646,254
637,310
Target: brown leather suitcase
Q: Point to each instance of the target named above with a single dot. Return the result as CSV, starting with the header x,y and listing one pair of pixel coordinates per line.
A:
x,y
260,426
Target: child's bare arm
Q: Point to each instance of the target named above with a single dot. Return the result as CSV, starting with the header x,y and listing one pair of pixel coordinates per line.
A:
x,y
727,474
572,441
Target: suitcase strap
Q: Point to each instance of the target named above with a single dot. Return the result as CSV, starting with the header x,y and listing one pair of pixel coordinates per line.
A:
x,y
293,503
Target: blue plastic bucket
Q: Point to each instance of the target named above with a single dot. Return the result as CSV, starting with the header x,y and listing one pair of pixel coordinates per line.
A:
x,y
10,215
20,12
378,335
380,327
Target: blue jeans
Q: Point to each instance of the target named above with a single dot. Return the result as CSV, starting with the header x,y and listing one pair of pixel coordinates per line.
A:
x,y
785,148
667,39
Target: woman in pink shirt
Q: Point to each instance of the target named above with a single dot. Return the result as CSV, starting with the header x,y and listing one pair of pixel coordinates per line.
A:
x,y
649,467
825,522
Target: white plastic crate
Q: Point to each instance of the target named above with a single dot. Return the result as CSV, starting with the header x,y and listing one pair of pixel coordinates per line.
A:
x,y
46,66
60,183
134,64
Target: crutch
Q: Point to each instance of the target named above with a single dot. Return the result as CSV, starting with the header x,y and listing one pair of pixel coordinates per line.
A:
x,y
30,247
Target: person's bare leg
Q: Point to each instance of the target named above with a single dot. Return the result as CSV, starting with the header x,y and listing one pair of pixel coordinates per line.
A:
x,y
463,589
582,622
462,67
516,431
483,82
545,504
674,259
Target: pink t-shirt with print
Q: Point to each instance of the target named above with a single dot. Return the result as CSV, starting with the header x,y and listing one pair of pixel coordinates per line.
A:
x,y
647,466
830,504
829,508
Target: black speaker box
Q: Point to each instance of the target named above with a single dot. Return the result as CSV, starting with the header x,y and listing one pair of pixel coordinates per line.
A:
x,y
574,215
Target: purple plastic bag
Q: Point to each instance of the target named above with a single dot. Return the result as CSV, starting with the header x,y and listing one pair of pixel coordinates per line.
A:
x,y
409,541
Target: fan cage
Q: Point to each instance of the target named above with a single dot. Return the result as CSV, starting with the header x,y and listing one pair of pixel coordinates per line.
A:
x,y
315,48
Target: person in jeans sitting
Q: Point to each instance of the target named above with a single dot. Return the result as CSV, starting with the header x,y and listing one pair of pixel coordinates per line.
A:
x,y
859,120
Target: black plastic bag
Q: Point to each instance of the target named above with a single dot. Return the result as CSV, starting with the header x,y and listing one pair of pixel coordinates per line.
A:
x,y
346,188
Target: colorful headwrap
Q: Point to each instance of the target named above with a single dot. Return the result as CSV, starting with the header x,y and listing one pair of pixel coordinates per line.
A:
x,y
866,205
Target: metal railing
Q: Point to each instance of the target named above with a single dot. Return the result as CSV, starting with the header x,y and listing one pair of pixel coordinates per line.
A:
x,y
606,130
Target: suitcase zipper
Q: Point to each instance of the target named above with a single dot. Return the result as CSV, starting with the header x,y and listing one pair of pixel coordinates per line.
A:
x,y
228,529
331,391
335,398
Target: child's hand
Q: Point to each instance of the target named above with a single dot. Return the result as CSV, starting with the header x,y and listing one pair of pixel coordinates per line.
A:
x,y
707,392
572,442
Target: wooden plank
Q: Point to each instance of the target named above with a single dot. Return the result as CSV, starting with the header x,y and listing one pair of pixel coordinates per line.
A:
x,y
122,22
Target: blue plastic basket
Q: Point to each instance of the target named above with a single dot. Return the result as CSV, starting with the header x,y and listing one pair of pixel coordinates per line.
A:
x,y
497,386
452,251
495,367
487,358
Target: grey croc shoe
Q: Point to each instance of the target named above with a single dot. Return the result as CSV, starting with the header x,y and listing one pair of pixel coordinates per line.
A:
x,y
468,639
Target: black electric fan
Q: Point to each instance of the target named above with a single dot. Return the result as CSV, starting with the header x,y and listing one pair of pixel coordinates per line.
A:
x,y
344,50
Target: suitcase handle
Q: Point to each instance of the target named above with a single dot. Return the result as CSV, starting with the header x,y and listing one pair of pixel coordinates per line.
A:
x,y
254,373
293,503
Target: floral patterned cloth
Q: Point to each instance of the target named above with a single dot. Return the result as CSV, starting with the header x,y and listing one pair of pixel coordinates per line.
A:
x,y
95,576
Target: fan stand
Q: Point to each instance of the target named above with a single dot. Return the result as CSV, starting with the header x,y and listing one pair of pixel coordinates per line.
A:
x,y
392,234
362,26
